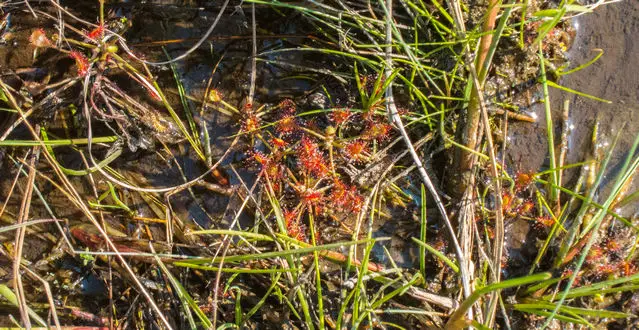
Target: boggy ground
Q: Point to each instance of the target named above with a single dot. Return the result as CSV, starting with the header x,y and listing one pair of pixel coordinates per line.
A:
x,y
316,216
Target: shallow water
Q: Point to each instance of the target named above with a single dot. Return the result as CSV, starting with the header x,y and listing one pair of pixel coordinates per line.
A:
x,y
615,77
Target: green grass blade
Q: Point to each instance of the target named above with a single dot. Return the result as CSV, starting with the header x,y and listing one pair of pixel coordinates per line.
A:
x,y
554,175
11,297
457,320
438,254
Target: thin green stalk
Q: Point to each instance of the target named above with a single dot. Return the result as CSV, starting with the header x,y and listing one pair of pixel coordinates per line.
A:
x,y
559,317
493,45
281,223
590,312
588,201
57,142
438,254
184,297
177,120
554,176
561,72
8,294
24,224
400,290
250,235
569,90
185,103
318,277
360,298
522,22
260,303
422,232
236,270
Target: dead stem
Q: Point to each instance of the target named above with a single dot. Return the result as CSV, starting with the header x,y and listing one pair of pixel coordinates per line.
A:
x,y
392,110
477,103
226,242
19,241
77,200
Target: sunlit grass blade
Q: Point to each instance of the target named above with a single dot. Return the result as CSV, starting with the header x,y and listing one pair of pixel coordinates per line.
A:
x,y
438,254
554,175
24,224
185,103
457,320
8,294
58,142
569,90
184,298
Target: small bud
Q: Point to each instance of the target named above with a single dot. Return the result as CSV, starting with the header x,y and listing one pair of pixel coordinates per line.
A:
x,y
112,49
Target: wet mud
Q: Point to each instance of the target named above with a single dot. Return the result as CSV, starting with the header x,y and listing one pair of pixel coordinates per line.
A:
x,y
614,77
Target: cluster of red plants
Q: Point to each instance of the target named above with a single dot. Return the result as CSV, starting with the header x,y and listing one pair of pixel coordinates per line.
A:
x,y
303,160
604,260
517,205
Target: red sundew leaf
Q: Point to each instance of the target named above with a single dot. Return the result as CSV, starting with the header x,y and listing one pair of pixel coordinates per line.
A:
x,y
627,268
259,157
340,116
378,131
312,197
522,180
278,143
594,255
38,38
274,171
355,150
251,122
612,245
526,207
345,198
288,107
290,216
310,158
81,62
286,125
544,222
604,270
96,33
506,201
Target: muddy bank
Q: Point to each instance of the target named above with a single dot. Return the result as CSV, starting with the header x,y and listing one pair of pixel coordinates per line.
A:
x,y
611,28
614,77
